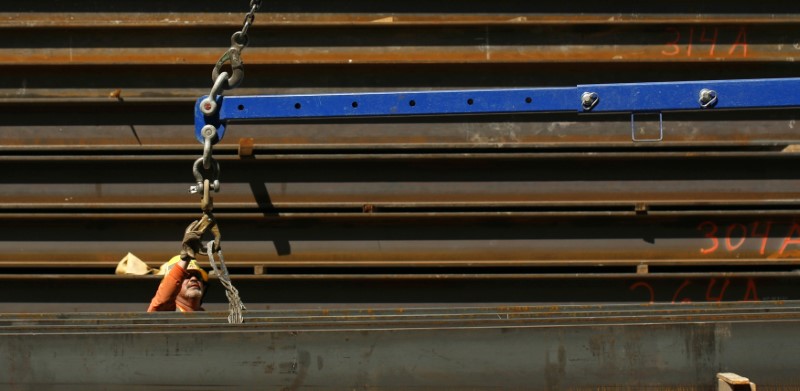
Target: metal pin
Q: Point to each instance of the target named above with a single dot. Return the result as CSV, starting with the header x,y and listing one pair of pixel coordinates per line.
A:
x,y
589,100
708,98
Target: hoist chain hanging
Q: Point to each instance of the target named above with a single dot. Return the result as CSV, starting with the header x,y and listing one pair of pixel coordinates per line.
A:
x,y
206,168
233,56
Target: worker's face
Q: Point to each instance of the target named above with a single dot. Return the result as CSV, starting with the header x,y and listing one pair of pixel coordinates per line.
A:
x,y
192,287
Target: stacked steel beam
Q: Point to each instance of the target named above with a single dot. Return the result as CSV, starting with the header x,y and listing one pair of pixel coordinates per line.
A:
x,y
403,221
479,348
97,143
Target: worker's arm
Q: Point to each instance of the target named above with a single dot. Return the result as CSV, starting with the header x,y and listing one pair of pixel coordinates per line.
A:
x,y
170,286
168,290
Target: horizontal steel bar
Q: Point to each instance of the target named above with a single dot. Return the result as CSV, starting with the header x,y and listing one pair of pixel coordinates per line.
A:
x,y
123,85
751,240
372,294
110,20
131,126
398,320
431,6
373,312
390,184
434,44
667,351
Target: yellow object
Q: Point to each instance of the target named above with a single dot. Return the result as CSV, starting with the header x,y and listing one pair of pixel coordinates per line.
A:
x,y
165,268
131,264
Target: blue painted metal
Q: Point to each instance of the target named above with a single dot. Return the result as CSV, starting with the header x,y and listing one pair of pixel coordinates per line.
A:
x,y
680,96
630,97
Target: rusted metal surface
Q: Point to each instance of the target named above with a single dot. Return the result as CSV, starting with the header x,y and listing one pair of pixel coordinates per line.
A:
x,y
670,347
442,33
97,145
430,44
417,253
416,240
283,289
409,182
165,20
159,126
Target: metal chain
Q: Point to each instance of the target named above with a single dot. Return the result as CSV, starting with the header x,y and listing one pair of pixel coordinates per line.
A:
x,y
208,178
223,80
255,5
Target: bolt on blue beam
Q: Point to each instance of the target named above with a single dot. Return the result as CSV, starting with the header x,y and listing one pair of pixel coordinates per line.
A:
x,y
627,97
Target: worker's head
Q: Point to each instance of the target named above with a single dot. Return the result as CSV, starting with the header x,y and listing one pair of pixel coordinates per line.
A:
x,y
193,287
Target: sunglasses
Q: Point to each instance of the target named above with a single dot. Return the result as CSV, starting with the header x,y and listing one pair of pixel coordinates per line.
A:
x,y
197,275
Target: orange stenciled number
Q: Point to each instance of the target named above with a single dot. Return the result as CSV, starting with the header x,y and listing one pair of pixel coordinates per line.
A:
x,y
707,35
763,237
711,234
674,44
741,41
728,244
751,294
788,239
721,291
678,292
712,40
689,46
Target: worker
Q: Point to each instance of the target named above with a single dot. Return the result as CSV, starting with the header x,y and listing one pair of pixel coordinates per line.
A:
x,y
185,282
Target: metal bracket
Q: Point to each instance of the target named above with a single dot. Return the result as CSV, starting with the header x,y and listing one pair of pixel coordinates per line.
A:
x,y
660,129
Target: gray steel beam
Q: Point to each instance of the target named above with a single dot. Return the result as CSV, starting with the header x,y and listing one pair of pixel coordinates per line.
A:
x,y
670,347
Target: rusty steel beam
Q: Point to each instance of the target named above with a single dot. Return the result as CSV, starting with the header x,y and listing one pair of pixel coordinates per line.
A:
x,y
434,6
278,290
37,126
749,239
669,347
410,182
72,86
94,138
429,45
112,20
381,317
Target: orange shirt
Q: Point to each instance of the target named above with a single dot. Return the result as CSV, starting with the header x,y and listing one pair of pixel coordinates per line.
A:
x,y
166,298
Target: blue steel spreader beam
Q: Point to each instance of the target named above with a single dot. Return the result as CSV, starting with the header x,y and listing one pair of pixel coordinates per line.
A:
x,y
593,98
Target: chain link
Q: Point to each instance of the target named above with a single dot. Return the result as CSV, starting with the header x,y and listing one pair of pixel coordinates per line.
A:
x,y
249,19
208,178
239,41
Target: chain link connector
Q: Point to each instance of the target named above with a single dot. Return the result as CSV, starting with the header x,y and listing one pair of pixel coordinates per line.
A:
x,y
209,105
198,176
234,57
249,19
209,133
207,202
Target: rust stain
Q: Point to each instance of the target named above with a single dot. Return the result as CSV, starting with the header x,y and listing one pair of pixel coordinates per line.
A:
x,y
555,372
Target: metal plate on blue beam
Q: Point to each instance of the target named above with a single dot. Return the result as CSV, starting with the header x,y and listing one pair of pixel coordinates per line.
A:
x,y
678,96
